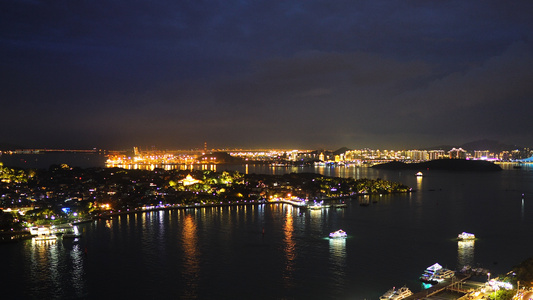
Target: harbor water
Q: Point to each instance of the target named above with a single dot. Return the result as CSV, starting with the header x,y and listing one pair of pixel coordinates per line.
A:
x,y
276,251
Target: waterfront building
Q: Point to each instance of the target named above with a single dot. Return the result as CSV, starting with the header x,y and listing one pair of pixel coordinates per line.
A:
x,y
457,153
417,155
436,154
292,155
505,156
481,154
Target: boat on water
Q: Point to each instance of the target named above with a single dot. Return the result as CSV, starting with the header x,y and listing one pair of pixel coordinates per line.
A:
x,y
396,294
466,236
338,234
317,205
45,237
419,174
435,274
67,230
42,234
72,232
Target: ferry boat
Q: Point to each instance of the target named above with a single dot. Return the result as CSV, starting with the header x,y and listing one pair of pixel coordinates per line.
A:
x,y
45,237
435,274
466,236
338,234
42,234
396,294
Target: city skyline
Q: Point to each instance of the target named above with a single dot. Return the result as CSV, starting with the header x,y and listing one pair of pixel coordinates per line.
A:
x,y
276,74
480,145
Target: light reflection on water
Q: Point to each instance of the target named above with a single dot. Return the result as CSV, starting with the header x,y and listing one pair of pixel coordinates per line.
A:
x,y
191,257
205,252
289,248
337,257
56,267
465,253
42,253
522,210
418,183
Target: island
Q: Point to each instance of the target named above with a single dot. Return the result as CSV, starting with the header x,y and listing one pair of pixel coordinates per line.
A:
x,y
64,194
442,164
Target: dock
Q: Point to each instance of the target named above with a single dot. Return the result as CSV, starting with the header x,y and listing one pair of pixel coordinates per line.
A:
x,y
453,284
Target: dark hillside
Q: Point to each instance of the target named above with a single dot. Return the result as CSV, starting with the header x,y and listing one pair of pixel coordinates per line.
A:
x,y
442,164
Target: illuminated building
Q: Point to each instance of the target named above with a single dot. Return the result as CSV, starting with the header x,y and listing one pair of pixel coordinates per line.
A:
x,y
457,153
435,154
189,180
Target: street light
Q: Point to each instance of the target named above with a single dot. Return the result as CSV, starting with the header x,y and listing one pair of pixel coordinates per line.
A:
x,y
488,274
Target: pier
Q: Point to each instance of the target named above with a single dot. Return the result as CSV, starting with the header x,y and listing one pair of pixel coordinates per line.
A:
x,y
454,284
298,203
307,204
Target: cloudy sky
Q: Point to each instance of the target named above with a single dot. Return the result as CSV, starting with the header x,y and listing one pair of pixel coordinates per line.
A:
x,y
264,74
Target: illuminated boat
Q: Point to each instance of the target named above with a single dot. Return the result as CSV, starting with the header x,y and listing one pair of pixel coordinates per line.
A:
x,y
435,274
466,236
45,237
443,274
43,234
419,174
396,294
317,205
72,232
338,234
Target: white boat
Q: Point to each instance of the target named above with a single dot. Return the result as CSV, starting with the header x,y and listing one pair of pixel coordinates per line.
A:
x,y
72,232
435,274
403,292
317,205
466,236
67,230
43,234
443,274
396,294
45,237
338,234
419,174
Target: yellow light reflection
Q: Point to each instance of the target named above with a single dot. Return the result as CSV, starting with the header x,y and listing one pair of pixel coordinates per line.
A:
x,y
465,253
191,257
45,261
290,249
418,183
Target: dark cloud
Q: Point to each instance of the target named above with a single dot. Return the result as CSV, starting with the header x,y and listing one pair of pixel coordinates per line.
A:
x,y
265,73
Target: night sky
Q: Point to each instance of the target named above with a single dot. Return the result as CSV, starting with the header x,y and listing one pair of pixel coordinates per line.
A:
x,y
264,74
